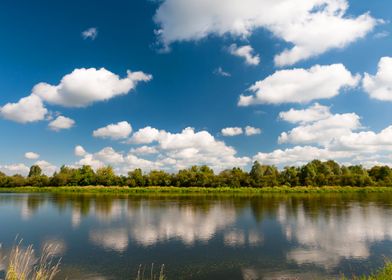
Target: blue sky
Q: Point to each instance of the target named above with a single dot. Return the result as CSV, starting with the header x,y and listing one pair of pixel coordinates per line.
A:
x,y
183,45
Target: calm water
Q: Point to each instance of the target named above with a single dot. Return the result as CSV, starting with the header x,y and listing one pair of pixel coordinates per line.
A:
x,y
204,237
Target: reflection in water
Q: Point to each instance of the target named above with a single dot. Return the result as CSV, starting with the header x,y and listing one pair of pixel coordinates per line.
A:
x,y
259,237
327,239
187,223
240,238
114,239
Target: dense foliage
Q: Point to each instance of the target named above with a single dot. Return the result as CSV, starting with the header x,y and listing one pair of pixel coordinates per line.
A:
x,y
315,173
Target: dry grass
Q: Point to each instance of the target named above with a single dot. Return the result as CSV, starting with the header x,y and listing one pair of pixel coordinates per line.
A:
x,y
151,275
23,265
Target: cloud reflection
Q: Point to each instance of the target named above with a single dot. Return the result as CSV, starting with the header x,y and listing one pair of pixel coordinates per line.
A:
x,y
328,238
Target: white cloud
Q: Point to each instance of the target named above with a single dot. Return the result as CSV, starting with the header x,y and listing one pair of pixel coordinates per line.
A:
x,y
144,150
250,131
300,85
90,33
60,123
109,155
246,52
116,131
336,137
311,26
79,151
314,113
231,131
234,131
172,151
84,86
12,169
197,148
220,72
22,169
145,135
298,155
365,141
27,109
47,168
89,159
31,155
133,162
322,131
379,86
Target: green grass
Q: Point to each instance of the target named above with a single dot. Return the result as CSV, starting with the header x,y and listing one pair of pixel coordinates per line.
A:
x,y
385,273
196,190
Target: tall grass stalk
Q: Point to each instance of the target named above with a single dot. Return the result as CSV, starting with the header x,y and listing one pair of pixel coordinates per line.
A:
x,y
142,271
23,265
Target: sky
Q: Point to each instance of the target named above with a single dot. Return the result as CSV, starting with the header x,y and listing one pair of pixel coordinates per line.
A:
x,y
173,83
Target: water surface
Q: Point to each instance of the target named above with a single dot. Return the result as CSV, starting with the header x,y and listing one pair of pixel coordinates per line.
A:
x,y
314,236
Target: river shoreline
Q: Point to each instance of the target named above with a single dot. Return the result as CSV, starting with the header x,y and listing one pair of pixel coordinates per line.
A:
x,y
195,190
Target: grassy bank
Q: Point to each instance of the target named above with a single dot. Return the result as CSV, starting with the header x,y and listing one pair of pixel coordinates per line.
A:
x,y
384,273
195,190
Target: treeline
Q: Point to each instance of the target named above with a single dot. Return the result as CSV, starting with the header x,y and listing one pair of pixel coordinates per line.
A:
x,y
315,173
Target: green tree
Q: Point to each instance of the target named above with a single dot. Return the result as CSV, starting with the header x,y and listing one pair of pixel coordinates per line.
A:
x,y
86,176
136,178
106,176
35,170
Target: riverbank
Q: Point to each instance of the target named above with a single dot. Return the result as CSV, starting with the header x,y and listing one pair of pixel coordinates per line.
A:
x,y
195,190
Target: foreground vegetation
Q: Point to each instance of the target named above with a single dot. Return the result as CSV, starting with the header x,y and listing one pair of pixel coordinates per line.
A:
x,y
24,265
384,273
315,173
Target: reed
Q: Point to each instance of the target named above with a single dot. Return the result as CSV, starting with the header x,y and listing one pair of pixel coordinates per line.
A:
x,y
151,275
23,265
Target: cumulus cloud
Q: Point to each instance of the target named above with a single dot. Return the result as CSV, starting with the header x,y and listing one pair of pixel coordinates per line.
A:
x,y
234,131
314,113
84,86
89,159
61,123
144,150
250,131
231,131
27,109
146,135
311,26
338,137
322,131
117,131
22,169
246,52
90,33
12,169
47,167
365,141
300,85
31,155
79,151
171,151
109,155
298,155
379,86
